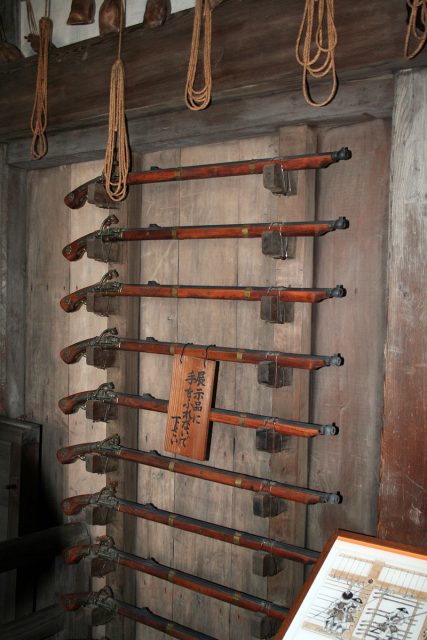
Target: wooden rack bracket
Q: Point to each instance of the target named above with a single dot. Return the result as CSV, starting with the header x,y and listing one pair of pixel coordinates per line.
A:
x,y
274,376
265,564
270,441
100,358
274,310
276,245
267,506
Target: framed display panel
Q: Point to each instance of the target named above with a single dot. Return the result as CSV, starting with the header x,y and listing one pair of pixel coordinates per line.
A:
x,y
362,587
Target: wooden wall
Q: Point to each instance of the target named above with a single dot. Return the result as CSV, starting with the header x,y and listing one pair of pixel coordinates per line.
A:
x,y
350,395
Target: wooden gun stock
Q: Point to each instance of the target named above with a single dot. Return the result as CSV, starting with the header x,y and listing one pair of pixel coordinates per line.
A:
x,y
73,506
73,555
74,352
77,198
73,601
68,455
71,404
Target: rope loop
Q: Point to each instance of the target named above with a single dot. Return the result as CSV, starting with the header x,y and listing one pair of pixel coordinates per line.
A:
x,y
39,115
417,27
317,33
198,99
117,154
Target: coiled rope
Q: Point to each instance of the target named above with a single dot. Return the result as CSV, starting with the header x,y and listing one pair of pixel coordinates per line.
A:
x,y
117,155
323,39
38,120
198,99
417,27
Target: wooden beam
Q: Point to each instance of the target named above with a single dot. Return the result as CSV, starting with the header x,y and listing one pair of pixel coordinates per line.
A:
x,y
357,100
37,626
402,500
40,546
156,62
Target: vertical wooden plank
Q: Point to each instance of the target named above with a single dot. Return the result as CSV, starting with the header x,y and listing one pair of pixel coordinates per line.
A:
x,y
208,322
125,375
402,501
47,326
16,234
159,261
253,204
4,177
293,402
354,326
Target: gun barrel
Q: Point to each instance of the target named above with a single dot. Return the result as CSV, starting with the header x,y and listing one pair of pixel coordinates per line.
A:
x,y
192,469
71,404
200,527
77,198
74,352
253,294
180,578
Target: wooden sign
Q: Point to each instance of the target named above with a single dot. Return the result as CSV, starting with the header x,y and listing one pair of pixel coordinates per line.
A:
x,y
190,402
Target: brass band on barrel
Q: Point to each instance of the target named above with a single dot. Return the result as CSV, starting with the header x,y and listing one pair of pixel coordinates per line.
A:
x,y
238,482
171,465
245,231
172,350
236,537
171,521
239,355
242,419
248,293
171,575
174,292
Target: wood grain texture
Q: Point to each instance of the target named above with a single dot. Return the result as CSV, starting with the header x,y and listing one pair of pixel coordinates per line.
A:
x,y
253,268
125,375
158,204
4,176
354,327
156,61
293,401
402,501
231,120
81,377
190,399
213,322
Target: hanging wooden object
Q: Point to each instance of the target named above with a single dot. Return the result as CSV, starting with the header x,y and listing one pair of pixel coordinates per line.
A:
x,y
117,154
109,17
416,33
190,401
198,99
156,13
82,12
39,114
319,34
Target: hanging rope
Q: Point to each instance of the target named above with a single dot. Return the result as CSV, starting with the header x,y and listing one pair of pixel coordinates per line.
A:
x,y
32,24
417,27
39,116
198,99
116,164
323,39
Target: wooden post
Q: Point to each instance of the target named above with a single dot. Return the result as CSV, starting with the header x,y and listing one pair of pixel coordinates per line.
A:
x,y
402,500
